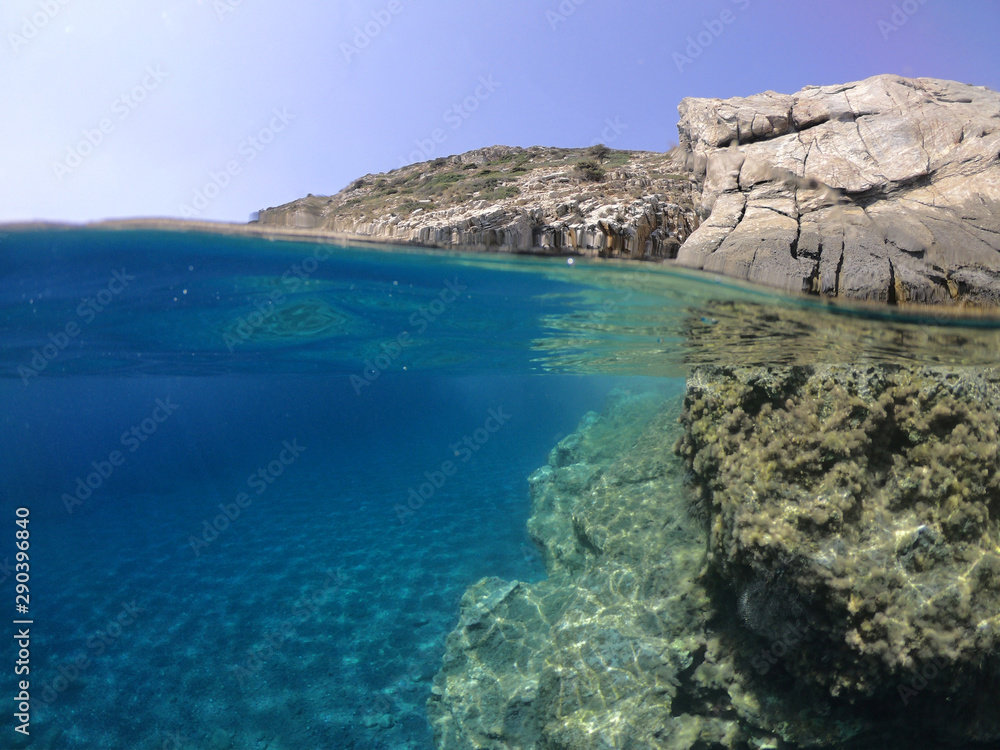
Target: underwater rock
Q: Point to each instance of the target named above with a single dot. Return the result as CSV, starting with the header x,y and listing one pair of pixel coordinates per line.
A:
x,y
770,606
789,557
617,647
863,504
596,655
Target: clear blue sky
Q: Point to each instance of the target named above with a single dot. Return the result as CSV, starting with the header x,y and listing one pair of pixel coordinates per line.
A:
x,y
121,108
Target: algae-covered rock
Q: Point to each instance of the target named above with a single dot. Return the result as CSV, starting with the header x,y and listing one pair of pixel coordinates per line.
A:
x,y
858,509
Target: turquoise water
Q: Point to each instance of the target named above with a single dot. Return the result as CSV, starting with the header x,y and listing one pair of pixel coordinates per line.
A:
x,y
260,475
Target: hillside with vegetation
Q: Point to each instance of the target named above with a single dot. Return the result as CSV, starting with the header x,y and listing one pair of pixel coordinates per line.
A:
x,y
600,201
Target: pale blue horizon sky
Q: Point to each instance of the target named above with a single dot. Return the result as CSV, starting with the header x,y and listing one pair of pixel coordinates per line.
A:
x,y
216,108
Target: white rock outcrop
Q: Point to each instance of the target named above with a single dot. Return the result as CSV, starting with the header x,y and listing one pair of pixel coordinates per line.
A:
x,y
883,189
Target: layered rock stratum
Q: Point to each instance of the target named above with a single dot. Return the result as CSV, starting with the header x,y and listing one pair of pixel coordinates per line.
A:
x,y
884,189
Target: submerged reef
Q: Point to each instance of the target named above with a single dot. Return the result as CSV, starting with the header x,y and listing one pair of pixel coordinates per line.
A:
x,y
600,652
781,557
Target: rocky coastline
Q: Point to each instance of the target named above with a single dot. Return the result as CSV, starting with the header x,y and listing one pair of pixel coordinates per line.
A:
x,y
788,555
629,204
884,190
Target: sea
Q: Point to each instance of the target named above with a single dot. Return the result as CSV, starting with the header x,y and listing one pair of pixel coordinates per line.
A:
x,y
246,481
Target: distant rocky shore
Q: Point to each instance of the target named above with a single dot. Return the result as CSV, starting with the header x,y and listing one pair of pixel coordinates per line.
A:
x,y
596,201
885,190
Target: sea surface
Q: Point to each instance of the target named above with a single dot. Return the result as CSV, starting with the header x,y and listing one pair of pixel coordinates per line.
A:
x,y
259,475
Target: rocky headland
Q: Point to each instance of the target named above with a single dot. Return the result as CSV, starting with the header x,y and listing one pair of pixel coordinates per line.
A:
x,y
884,190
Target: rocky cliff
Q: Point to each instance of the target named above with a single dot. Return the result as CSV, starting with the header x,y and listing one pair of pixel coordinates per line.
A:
x,y
885,189
598,201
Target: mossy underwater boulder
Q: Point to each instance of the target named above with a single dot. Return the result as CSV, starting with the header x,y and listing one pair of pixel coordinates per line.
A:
x,y
858,508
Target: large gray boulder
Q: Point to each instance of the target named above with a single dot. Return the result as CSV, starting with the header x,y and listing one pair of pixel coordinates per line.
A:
x,y
884,189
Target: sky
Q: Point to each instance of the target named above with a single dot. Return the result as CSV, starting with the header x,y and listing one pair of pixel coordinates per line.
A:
x,y
213,109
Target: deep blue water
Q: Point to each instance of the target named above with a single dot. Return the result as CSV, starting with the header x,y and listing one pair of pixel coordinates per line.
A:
x,y
260,475
224,544
322,525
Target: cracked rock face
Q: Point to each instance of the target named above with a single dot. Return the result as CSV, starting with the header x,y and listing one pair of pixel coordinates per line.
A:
x,y
885,189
